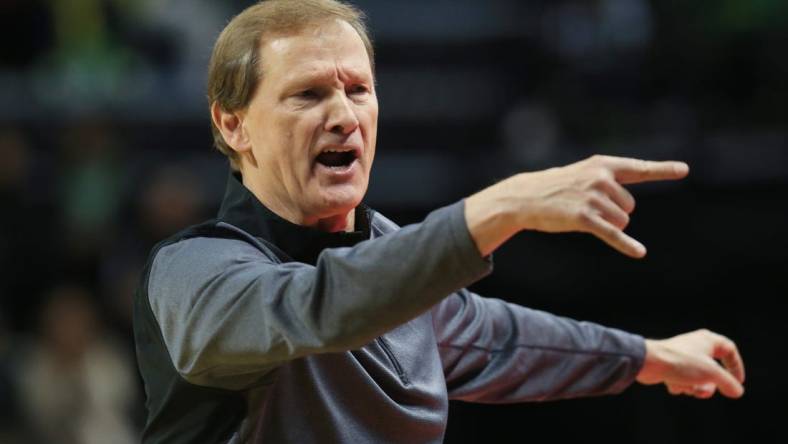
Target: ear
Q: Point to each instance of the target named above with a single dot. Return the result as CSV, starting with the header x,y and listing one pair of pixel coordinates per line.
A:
x,y
231,126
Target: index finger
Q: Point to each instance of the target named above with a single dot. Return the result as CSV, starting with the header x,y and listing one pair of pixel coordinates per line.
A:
x,y
725,350
726,383
628,171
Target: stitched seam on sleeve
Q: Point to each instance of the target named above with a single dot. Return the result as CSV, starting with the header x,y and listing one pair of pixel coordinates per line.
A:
x,y
539,347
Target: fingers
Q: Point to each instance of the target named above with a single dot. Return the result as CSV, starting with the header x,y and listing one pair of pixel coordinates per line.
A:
x,y
609,211
611,235
628,171
700,391
704,391
697,373
726,383
676,390
613,204
725,350
617,194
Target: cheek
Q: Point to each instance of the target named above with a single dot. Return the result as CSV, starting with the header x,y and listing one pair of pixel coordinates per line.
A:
x,y
301,127
371,110
370,127
299,135
265,140
286,134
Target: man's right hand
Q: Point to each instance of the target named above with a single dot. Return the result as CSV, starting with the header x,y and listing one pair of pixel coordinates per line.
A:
x,y
586,196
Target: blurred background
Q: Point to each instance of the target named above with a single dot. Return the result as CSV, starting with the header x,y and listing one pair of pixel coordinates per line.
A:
x,y
105,149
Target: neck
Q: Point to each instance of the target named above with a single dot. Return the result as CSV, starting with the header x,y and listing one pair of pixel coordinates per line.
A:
x,y
337,223
342,221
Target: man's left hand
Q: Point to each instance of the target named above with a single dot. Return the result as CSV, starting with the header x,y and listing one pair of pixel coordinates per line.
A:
x,y
695,364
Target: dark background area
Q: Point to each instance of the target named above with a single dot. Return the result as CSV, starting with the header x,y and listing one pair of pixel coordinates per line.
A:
x,y
105,149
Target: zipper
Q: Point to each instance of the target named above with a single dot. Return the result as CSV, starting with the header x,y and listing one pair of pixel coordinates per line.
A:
x,y
397,367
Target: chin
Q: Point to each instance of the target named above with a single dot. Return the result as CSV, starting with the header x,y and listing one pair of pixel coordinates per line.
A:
x,y
340,200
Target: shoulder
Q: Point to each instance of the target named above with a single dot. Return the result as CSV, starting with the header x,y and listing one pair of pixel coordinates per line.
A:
x,y
202,252
199,254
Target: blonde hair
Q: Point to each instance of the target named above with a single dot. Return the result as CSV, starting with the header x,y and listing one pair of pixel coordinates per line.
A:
x,y
235,67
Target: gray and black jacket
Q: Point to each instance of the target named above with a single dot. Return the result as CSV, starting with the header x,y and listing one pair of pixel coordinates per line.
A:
x,y
251,329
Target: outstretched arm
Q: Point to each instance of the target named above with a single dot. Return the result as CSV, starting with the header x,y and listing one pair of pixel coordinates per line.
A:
x,y
497,352
696,364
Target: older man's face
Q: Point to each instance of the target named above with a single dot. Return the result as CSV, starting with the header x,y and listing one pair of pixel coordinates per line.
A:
x,y
313,121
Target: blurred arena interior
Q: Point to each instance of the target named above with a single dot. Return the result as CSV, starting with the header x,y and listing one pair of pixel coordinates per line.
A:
x,y
105,148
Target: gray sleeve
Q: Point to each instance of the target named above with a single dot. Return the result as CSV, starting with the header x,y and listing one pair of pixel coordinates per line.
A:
x,y
493,351
229,314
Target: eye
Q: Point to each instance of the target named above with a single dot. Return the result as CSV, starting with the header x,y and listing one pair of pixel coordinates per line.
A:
x,y
358,89
308,94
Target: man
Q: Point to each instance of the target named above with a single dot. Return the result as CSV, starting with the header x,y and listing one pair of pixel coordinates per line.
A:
x,y
301,315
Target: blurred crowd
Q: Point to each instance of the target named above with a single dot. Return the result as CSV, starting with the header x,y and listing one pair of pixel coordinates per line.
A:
x,y
105,146
81,207
78,223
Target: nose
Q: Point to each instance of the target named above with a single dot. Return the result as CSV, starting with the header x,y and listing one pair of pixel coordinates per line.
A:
x,y
342,118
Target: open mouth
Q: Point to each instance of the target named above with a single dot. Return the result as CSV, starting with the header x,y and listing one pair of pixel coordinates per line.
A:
x,y
337,159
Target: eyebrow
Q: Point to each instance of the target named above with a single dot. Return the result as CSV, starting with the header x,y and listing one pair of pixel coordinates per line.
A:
x,y
325,76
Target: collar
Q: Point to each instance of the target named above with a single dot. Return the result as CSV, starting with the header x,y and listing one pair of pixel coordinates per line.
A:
x,y
242,209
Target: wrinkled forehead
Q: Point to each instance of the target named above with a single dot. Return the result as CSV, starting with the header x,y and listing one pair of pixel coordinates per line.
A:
x,y
313,50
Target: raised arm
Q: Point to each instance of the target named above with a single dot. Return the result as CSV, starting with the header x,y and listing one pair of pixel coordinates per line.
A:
x,y
229,314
